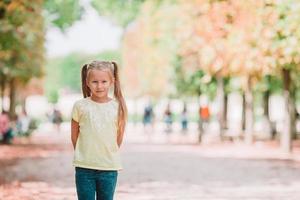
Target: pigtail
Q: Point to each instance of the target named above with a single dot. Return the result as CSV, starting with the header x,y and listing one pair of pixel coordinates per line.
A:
x,y
122,110
85,89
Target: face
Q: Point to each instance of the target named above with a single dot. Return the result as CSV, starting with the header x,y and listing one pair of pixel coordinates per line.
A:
x,y
99,82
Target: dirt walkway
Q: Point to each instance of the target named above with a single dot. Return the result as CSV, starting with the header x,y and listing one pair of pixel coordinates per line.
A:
x,y
40,169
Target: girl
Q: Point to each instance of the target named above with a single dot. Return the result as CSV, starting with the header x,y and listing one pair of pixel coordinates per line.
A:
x,y
97,129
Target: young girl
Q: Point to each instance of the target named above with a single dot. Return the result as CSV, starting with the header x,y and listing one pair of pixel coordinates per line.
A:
x,y
97,129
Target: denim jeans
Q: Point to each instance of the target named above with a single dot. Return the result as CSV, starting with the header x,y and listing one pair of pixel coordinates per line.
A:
x,y
90,182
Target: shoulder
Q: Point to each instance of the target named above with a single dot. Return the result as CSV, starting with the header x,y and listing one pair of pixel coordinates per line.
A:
x,y
115,103
80,103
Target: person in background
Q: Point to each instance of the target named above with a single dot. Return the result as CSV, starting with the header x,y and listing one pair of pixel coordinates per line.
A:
x,y
6,132
57,119
184,118
148,117
168,118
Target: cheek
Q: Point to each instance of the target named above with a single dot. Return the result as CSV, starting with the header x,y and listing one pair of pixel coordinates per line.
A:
x,y
107,86
90,84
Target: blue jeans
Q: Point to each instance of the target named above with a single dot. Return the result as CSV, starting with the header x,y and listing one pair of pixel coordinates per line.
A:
x,y
90,181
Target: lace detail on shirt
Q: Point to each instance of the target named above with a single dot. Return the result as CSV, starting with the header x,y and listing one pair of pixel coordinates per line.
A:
x,y
104,117
101,116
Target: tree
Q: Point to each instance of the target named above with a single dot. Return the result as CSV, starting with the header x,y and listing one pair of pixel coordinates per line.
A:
x,y
149,50
228,44
22,39
62,14
286,51
122,12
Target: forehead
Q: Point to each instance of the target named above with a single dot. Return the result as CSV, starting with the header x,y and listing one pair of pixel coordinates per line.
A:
x,y
99,74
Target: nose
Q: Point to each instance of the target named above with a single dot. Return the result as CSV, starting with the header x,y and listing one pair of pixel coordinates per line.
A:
x,y
99,86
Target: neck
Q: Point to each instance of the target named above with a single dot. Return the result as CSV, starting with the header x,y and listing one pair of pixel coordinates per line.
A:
x,y
100,99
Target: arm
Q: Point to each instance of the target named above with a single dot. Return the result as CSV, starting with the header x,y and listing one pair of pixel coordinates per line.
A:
x,y
120,138
74,132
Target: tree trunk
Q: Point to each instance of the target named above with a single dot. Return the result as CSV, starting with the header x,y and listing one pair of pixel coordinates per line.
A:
x,y
200,123
293,115
289,119
249,117
2,91
225,110
23,104
244,112
12,98
200,130
267,121
266,104
220,99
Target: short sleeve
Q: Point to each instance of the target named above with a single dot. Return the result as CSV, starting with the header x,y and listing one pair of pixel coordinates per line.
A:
x,y
75,113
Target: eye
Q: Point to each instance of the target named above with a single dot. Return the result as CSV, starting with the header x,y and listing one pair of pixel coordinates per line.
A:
x,y
94,81
104,81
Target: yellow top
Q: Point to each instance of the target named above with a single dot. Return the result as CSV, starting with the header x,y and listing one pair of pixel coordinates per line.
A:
x,y
96,146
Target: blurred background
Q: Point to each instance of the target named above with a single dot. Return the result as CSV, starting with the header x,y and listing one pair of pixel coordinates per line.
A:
x,y
223,75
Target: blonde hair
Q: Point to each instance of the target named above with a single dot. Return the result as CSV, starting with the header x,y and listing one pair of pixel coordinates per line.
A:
x,y
113,70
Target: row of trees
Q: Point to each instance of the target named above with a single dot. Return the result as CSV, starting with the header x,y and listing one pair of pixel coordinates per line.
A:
x,y
167,43
200,41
